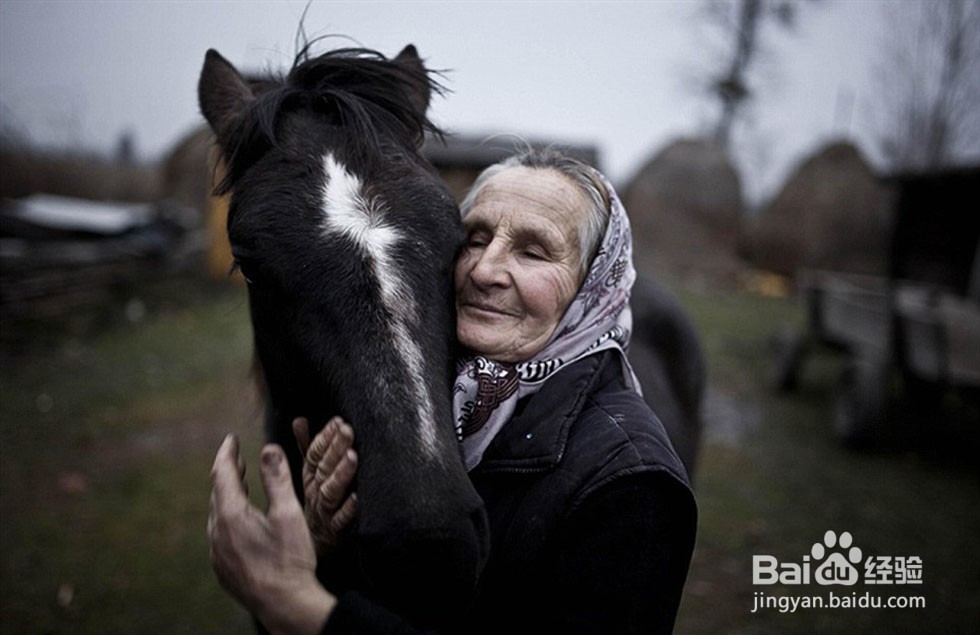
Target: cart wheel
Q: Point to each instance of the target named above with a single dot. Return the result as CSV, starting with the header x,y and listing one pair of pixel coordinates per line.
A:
x,y
861,402
790,350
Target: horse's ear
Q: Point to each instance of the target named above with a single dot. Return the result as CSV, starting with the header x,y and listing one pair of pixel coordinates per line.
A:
x,y
421,91
223,95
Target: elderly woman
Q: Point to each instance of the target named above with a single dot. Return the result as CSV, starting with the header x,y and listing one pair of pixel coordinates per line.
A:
x,y
592,518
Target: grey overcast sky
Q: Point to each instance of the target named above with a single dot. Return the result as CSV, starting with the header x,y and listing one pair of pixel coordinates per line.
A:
x,y
620,75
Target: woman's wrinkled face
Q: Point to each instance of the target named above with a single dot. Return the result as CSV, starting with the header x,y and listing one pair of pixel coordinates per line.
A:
x,y
520,268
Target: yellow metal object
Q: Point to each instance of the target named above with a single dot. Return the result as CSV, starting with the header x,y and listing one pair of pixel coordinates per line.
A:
x,y
219,250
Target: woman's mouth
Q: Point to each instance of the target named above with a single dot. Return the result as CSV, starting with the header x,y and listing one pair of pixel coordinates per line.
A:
x,y
482,307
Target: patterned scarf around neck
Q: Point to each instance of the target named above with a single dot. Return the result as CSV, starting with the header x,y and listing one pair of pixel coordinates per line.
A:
x,y
486,392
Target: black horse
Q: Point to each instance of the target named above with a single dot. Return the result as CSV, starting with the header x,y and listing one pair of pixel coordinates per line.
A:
x,y
347,237
668,359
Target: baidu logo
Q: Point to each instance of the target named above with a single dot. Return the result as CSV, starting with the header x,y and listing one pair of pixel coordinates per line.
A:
x,y
836,561
836,569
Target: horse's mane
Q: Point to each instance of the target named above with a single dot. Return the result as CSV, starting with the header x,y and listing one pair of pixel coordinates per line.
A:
x,y
364,90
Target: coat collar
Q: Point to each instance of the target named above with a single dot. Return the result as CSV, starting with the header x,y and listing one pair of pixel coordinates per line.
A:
x,y
534,439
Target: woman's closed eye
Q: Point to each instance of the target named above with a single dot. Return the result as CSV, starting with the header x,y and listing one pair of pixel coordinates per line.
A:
x,y
536,250
535,254
477,240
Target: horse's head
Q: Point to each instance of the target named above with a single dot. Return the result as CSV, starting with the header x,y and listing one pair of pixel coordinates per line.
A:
x,y
347,238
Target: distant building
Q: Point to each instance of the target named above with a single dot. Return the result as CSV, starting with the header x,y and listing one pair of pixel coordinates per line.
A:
x,y
460,159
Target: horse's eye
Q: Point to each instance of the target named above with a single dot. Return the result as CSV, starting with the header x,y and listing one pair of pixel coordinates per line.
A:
x,y
244,268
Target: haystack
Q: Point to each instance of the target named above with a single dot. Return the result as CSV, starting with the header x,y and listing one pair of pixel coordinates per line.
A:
x,y
833,213
685,204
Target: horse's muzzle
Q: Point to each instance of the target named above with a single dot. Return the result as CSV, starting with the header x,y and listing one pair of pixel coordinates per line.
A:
x,y
428,573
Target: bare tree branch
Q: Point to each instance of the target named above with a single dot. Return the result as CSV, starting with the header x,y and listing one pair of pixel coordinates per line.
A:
x,y
930,113
744,26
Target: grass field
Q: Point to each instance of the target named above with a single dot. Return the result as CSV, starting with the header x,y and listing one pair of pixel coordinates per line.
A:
x,y
107,442
774,483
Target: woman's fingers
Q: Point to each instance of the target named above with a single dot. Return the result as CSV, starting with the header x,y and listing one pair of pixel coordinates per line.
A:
x,y
227,473
331,524
265,560
333,510
333,488
278,484
327,470
329,466
345,514
301,430
342,441
314,452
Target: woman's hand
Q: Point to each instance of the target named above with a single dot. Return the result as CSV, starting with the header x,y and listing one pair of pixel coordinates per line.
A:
x,y
266,561
328,470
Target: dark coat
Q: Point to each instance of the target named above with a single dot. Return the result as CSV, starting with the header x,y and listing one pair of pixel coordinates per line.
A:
x,y
592,518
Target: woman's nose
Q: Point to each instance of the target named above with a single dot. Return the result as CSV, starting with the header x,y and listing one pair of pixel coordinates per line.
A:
x,y
490,267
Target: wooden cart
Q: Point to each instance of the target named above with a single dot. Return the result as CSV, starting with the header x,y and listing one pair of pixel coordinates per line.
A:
x,y
915,332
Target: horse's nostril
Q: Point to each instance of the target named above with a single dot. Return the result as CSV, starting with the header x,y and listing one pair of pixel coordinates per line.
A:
x,y
426,573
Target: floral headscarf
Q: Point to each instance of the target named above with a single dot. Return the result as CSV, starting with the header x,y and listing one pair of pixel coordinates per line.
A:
x,y
486,392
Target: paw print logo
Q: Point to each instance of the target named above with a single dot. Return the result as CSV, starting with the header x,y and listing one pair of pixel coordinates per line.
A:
x,y
837,568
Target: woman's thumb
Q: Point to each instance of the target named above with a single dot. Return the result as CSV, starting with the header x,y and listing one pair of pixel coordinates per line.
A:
x,y
276,480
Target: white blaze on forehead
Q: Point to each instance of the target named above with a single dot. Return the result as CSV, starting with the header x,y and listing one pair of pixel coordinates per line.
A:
x,y
362,220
